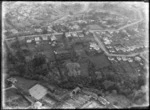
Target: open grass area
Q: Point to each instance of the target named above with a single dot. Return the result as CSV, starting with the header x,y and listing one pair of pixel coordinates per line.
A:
x,y
118,100
14,99
24,84
100,61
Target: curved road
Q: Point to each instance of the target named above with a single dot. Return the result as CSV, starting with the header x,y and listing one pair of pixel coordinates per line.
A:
x,y
100,43
128,25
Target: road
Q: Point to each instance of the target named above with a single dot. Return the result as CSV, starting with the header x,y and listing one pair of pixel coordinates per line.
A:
x,y
9,87
128,25
101,45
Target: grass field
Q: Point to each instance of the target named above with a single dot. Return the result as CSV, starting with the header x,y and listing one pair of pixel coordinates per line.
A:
x,y
14,99
100,61
118,100
24,84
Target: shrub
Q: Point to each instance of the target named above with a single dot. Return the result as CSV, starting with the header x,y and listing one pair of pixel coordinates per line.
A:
x,y
114,92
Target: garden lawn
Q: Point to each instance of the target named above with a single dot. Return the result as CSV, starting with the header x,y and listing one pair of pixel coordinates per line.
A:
x,y
24,84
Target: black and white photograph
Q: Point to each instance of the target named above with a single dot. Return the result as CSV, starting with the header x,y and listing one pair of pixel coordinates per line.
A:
x,y
75,55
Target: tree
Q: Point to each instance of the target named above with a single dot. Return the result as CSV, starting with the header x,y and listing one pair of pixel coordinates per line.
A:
x,y
15,45
70,13
114,92
20,56
108,84
39,60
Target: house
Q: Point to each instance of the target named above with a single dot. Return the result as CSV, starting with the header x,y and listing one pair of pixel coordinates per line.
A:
x,y
53,38
38,91
37,105
103,100
74,34
92,104
29,40
68,34
94,46
81,35
45,38
13,80
48,100
75,91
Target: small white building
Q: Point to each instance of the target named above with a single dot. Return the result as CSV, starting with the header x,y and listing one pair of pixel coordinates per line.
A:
x,y
68,34
29,40
45,38
130,60
53,38
94,46
37,39
137,58
38,91
74,34
37,105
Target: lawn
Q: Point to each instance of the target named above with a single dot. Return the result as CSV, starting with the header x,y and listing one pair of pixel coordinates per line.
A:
x,y
118,100
14,99
24,84
100,61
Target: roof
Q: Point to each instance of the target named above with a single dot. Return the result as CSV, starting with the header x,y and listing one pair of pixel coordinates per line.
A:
x,y
38,91
93,104
13,80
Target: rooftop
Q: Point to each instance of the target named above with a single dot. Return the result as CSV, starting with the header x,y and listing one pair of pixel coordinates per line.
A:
x,y
38,91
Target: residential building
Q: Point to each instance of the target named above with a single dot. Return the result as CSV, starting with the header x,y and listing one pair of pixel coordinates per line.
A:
x,y
93,104
37,39
13,80
37,105
29,40
44,37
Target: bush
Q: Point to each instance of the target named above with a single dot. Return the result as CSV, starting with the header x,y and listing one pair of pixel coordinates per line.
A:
x,y
114,92
107,84
107,93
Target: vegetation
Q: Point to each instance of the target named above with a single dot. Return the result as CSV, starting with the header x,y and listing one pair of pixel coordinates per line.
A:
x,y
38,68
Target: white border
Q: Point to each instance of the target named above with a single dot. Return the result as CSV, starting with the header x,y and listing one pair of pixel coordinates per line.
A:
x,y
86,3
